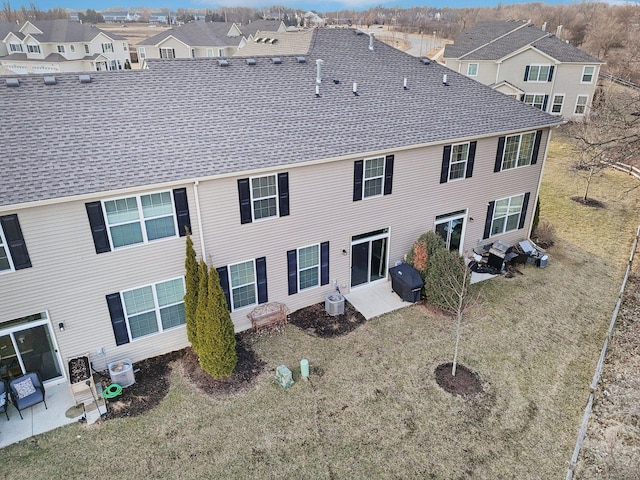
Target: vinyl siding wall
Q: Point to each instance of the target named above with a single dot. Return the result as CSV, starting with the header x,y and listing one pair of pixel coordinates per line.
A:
x,y
70,281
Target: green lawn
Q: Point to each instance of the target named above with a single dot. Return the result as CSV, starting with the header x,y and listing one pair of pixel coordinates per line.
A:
x,y
372,408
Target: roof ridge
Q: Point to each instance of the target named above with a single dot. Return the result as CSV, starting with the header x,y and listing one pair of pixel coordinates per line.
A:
x,y
498,38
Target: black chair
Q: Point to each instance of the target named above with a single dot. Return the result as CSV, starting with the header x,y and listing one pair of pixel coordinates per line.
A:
x,y
4,398
27,391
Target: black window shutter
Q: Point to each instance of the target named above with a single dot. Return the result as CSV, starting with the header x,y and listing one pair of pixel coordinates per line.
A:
x,y
283,194
223,273
261,273
182,210
499,155
292,270
324,263
471,159
523,213
526,73
488,220
444,170
388,174
15,241
245,200
98,227
358,167
536,148
550,77
545,103
118,321
522,97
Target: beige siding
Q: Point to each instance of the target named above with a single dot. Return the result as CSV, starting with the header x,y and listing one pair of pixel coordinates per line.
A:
x,y
70,281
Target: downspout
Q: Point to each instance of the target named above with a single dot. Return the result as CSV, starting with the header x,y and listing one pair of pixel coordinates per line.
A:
x,y
199,216
553,90
498,71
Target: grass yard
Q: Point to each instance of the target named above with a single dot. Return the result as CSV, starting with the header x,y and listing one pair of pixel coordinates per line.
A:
x,y
372,408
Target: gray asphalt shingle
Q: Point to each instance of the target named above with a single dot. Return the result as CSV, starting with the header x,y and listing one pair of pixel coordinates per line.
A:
x,y
191,118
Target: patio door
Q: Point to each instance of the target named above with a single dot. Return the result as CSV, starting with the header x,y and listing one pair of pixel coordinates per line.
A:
x,y
28,345
369,257
450,227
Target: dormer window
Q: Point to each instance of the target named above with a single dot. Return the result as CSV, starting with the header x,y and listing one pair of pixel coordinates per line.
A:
x,y
15,47
33,48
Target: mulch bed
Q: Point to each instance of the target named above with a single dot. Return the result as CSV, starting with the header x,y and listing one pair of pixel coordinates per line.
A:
x,y
315,321
589,202
466,383
152,379
152,374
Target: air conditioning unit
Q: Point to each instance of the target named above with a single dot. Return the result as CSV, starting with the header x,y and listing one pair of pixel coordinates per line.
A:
x,y
334,304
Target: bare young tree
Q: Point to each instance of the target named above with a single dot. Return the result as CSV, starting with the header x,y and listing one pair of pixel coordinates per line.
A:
x,y
608,136
454,278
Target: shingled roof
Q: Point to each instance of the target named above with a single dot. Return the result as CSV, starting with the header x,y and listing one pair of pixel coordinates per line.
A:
x,y
191,119
197,34
494,40
65,31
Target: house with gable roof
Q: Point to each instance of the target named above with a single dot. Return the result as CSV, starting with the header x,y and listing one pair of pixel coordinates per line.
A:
x,y
51,46
203,39
355,149
528,63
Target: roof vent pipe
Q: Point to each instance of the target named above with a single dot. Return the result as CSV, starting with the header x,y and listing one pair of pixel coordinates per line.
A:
x,y
559,31
317,91
319,71
355,89
544,27
371,36
50,80
444,79
405,84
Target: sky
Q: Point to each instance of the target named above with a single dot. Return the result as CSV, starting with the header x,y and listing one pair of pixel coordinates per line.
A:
x,y
322,6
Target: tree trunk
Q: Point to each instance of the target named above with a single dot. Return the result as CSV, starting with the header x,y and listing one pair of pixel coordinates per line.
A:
x,y
586,190
458,325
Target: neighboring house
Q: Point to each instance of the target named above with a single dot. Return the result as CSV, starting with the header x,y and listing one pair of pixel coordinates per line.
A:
x,y
287,194
168,18
52,46
272,43
202,39
527,63
120,17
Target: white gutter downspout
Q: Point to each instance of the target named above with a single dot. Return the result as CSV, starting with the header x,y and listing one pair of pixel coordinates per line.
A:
x,y
199,216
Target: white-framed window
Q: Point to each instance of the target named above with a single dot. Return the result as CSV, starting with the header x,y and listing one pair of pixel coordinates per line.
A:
x,y
534,99
125,47
556,105
518,150
107,48
15,47
167,53
6,263
472,70
154,308
458,161
243,285
506,214
373,178
140,218
581,105
141,53
538,73
33,48
72,48
588,73
264,197
221,52
209,52
61,49
308,267
86,48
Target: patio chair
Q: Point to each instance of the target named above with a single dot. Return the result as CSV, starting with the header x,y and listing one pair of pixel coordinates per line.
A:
x,y
27,391
4,398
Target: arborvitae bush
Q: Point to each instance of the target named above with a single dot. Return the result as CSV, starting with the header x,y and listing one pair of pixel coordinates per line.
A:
x,y
191,292
420,257
202,305
216,336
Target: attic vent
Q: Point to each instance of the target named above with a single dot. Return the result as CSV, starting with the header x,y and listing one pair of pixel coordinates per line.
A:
x,y
13,82
85,78
273,40
50,81
426,61
251,61
301,60
258,40
266,40
359,32
223,63
276,60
